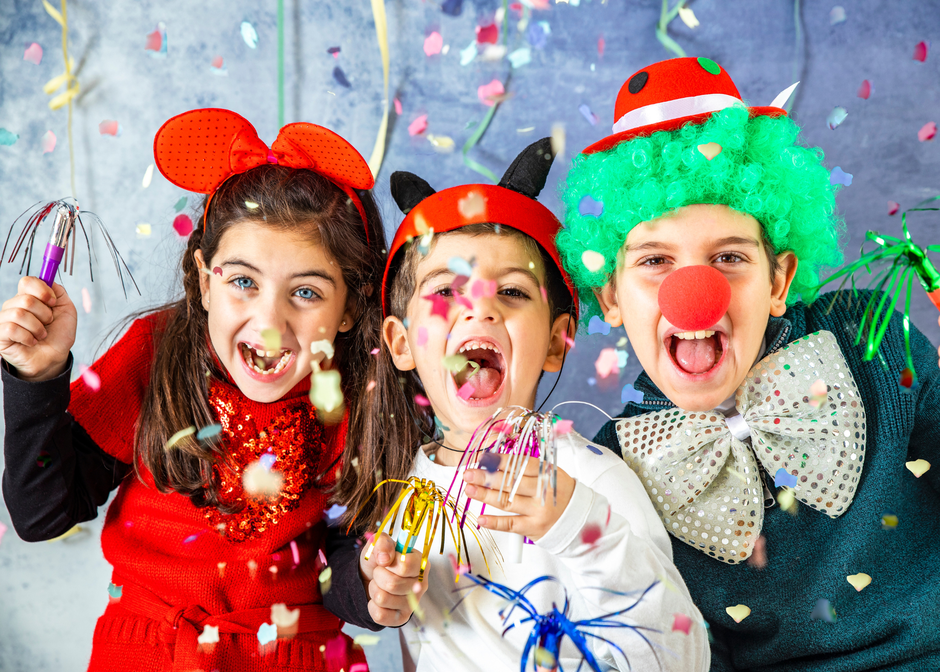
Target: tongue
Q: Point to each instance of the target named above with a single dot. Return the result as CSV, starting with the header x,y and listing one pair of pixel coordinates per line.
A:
x,y
697,356
485,383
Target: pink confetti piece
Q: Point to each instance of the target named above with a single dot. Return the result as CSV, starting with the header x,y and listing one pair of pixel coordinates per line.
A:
x,y
758,559
920,52
422,337
48,142
864,91
591,533
600,46
418,126
463,301
422,400
466,391
154,41
183,226
108,127
472,205
544,293
488,93
86,300
433,44
439,305
218,62
370,386
397,107
569,341
927,131
488,34
893,207
607,362
33,54
374,351
563,426
217,271
90,378
483,289
295,552
681,623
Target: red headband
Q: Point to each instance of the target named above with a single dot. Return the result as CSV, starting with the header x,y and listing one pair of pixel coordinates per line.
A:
x,y
200,149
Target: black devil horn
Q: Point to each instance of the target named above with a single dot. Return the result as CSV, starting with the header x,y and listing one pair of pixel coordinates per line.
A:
x,y
528,172
408,190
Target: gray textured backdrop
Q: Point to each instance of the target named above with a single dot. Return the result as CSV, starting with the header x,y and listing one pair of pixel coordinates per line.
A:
x,y
51,593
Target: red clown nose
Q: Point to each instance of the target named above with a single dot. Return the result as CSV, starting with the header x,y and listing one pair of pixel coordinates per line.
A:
x,y
694,298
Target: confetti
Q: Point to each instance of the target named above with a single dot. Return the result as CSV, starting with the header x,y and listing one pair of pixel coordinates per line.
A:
x,y
489,462
688,17
398,108
598,326
180,204
72,532
468,54
784,479
440,306
595,449
907,378
260,481
483,289
681,623
217,271
837,15
460,266
587,114
787,500
183,225
893,207
836,117
418,126
622,358
920,52
208,432
44,459
335,511
859,581
818,394
466,391
108,127
271,338
622,342
340,77
267,633
415,607
90,378
422,337
563,426
606,363
488,34
366,640
889,520
433,44
520,57
218,66
143,230
593,261
267,461
422,400
250,35
738,612
210,635
47,143
823,611
490,93
442,143
864,91
33,54
334,51
588,206
3,529
709,150
758,559
7,137
115,591
148,177
927,131
839,176
326,393
173,440
630,394
335,654
154,41
918,467
591,533
472,205
544,659
454,363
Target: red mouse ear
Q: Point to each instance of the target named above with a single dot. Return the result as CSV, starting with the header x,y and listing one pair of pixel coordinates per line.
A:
x,y
198,150
305,145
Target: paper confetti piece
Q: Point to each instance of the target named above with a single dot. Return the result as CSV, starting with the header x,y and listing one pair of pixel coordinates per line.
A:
x,y
326,580
709,150
606,363
839,176
460,266
398,108
422,337
271,338
927,131
466,391
418,126
784,479
148,177
115,592
173,440
787,501
920,52
588,206
889,520
818,394
250,35
415,606
143,230
108,127
836,117
837,15
864,91
90,378
758,559
334,51
366,639
217,67
598,326
469,53
71,533
906,379
823,611
180,204
441,143
422,400
563,426
472,205
3,529
688,17
340,77
681,623
208,432
520,57
210,635
590,534
593,261
481,289
488,93
326,393
267,633
7,138
433,44
454,363
154,41
33,54
47,143
335,511
489,462
859,581
893,207
183,225
630,394
738,612
918,467
587,114
440,306
259,481
488,34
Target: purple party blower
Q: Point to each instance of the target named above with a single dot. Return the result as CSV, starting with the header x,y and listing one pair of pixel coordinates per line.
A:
x,y
55,250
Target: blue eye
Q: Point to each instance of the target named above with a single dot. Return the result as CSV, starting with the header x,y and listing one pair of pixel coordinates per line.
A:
x,y
306,293
243,283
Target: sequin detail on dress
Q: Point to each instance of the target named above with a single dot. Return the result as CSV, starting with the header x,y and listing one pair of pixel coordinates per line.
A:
x,y
293,439
705,482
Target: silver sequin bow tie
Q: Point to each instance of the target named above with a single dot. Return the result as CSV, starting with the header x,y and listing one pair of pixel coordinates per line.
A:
x,y
701,473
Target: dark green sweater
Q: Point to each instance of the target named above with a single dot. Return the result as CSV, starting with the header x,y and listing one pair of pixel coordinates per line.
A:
x,y
894,623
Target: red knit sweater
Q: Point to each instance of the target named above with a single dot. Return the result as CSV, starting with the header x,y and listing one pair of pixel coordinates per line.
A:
x,y
180,568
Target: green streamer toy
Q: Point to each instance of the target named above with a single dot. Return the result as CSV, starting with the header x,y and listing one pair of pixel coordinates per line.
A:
x,y
907,261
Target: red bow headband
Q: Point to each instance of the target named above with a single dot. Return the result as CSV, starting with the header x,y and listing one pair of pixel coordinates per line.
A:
x,y
200,149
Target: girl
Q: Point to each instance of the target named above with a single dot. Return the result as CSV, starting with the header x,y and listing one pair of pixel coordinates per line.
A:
x,y
219,539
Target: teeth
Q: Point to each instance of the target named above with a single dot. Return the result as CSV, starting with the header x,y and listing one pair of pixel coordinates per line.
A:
x,y
253,357
694,335
478,345
267,353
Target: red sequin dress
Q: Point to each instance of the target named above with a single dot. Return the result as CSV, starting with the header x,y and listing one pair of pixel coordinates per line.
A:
x,y
179,568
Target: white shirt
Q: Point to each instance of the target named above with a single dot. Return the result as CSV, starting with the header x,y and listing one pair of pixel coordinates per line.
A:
x,y
632,553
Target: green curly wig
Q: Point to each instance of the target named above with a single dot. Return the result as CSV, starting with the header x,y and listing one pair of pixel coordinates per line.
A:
x,y
761,172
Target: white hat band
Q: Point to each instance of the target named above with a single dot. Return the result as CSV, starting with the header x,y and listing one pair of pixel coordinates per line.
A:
x,y
675,109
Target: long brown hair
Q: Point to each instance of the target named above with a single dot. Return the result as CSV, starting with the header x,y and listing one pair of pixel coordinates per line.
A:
x,y
286,199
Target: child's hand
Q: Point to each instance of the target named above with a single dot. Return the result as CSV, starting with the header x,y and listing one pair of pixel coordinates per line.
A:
x,y
388,581
37,329
534,519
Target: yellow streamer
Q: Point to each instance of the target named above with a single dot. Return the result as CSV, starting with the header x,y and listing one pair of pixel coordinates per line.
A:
x,y
53,12
381,32
66,78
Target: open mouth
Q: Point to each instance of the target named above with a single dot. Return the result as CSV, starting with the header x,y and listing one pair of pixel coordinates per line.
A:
x,y
696,352
484,373
265,362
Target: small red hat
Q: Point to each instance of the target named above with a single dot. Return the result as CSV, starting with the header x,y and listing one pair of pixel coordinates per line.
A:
x,y
667,95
